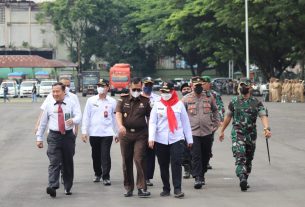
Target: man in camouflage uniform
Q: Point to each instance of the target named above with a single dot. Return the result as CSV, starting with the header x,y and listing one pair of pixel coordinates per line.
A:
x,y
244,110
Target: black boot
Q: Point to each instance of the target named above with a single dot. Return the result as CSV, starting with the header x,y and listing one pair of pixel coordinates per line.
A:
x,y
198,183
243,182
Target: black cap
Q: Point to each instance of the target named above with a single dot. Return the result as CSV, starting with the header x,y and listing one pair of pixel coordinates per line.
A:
x,y
184,85
147,80
167,86
103,82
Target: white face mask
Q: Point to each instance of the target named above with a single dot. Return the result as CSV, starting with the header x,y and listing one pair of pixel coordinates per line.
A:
x,y
166,96
135,94
100,90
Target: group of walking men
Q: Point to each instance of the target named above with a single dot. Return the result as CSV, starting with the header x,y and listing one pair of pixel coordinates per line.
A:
x,y
145,125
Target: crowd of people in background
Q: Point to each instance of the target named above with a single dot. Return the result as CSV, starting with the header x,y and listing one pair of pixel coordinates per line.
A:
x,y
287,91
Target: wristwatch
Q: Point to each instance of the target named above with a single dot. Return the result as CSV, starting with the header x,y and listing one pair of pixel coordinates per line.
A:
x,y
267,128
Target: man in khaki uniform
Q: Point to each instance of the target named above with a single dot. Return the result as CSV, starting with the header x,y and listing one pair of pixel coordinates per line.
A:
x,y
204,118
132,113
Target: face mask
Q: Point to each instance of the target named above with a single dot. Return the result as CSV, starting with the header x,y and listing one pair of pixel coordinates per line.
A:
x,y
198,89
166,96
244,90
100,90
135,94
147,90
185,93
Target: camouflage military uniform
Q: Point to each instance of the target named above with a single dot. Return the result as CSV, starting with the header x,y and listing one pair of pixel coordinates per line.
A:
x,y
219,103
244,113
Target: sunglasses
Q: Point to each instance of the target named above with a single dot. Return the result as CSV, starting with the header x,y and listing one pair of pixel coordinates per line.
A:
x,y
136,89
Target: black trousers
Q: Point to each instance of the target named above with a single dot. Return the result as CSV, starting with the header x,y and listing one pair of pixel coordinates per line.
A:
x,y
150,165
170,154
61,149
201,153
101,158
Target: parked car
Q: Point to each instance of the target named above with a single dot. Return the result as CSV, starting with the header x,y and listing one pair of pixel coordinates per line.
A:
x,y
26,87
157,84
12,88
72,87
220,84
45,87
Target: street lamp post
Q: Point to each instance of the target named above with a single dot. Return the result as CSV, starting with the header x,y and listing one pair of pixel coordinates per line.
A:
x,y
247,39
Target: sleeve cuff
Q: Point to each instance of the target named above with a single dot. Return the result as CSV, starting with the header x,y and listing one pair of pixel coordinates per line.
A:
x,y
39,139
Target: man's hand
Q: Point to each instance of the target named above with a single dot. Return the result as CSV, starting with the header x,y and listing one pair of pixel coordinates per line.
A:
x,y
151,144
122,131
190,145
84,138
39,144
221,136
69,122
267,133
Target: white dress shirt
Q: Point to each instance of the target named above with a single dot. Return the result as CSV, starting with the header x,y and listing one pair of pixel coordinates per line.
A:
x,y
99,117
158,124
50,116
50,98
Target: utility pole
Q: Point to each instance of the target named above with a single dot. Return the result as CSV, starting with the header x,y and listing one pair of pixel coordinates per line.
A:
x,y
247,39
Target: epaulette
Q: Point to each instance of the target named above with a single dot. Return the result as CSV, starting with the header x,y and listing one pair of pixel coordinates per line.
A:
x,y
144,96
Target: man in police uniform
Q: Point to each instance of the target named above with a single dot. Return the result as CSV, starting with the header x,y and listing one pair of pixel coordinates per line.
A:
x,y
220,106
132,113
202,110
244,110
61,114
147,91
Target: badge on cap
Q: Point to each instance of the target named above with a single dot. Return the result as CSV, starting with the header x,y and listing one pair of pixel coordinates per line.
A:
x,y
125,115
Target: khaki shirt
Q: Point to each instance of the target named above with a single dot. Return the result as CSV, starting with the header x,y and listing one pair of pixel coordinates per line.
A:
x,y
135,111
202,112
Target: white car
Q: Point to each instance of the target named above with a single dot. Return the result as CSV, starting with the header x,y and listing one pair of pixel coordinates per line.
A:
x,y
12,88
26,88
45,87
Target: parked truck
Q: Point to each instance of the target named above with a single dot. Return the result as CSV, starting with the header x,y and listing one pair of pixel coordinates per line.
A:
x,y
88,82
119,78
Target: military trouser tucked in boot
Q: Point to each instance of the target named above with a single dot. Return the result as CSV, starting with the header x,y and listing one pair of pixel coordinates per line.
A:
x,y
243,148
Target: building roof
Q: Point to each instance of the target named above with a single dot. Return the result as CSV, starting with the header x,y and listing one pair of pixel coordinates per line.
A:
x,y
32,61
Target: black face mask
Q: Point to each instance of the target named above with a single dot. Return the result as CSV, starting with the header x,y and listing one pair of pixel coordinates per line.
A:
x,y
184,93
198,89
244,90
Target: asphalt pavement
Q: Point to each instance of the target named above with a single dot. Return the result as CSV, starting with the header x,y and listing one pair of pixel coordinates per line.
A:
x,y
24,167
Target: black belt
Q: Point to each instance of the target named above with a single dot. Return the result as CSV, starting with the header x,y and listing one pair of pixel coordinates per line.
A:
x,y
135,129
58,132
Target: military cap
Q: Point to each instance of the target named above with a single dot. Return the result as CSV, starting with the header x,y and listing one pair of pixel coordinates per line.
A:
x,y
103,82
167,86
206,79
245,81
147,80
197,80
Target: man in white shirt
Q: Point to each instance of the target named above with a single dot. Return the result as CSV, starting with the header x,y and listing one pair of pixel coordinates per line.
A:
x,y
151,157
49,98
99,125
60,116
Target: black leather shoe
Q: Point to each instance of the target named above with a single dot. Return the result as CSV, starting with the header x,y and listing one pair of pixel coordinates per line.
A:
x,y
198,183
68,192
243,183
148,183
107,182
51,192
165,193
179,194
97,179
143,193
128,194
